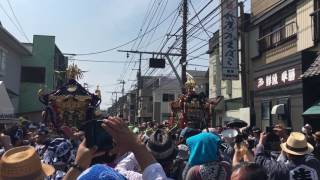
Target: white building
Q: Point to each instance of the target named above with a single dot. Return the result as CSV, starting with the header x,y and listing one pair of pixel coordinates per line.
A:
x,y
12,53
166,91
201,79
231,106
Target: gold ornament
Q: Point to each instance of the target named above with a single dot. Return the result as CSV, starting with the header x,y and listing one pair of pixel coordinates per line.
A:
x,y
98,92
73,72
190,84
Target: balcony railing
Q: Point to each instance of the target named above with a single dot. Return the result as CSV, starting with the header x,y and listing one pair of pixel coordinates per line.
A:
x,y
316,25
278,37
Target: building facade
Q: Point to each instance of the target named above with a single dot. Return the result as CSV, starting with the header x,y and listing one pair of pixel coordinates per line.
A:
x,y
202,80
231,90
40,71
131,106
12,55
145,98
167,90
282,47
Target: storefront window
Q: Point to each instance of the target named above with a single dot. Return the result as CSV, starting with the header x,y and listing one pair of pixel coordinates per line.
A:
x,y
265,110
287,111
167,97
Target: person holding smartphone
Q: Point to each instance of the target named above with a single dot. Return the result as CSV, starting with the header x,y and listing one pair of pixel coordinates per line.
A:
x,y
126,142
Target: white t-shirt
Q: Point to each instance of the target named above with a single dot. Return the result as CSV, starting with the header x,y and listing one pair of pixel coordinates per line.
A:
x,y
130,168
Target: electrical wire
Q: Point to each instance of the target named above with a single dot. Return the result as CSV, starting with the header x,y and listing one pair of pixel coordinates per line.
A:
x,y
198,18
157,21
171,24
198,13
127,66
102,61
17,20
124,44
193,18
152,17
145,19
167,39
157,18
206,43
197,65
203,44
12,21
198,56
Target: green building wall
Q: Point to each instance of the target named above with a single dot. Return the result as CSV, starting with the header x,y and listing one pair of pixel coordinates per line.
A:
x,y
43,53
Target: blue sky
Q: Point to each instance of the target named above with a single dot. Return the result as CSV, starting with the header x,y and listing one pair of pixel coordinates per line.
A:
x,y
82,26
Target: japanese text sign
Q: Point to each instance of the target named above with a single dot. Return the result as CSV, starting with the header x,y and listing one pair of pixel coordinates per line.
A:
x,y
230,64
284,77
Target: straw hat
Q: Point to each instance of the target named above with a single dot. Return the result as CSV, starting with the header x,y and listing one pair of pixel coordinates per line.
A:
x,y
297,144
23,163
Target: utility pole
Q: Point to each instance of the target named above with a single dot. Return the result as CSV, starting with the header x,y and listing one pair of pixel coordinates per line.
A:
x,y
183,60
244,78
122,91
139,78
167,55
116,101
140,85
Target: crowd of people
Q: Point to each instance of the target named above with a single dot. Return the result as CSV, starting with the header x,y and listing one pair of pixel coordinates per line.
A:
x,y
157,151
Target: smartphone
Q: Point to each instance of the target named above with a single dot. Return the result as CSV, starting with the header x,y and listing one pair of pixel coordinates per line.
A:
x,y
97,136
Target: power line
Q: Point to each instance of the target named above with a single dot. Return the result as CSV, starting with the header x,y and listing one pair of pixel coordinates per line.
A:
x,y
158,20
199,18
101,61
197,57
12,21
207,42
172,21
180,29
124,73
17,20
198,65
150,21
166,37
149,24
126,66
204,59
179,37
195,26
129,42
145,19
215,10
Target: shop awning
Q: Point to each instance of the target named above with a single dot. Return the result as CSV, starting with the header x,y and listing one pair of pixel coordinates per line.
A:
x,y
313,110
6,106
278,109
